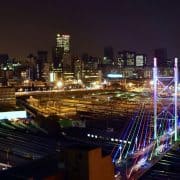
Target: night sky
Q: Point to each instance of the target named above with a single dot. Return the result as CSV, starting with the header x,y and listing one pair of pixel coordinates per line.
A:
x,y
138,25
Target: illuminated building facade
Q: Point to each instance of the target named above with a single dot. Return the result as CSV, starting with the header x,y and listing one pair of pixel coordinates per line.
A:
x,y
61,55
90,63
131,59
45,72
7,96
120,60
32,66
63,41
140,60
131,64
6,68
57,56
77,67
126,59
42,59
91,75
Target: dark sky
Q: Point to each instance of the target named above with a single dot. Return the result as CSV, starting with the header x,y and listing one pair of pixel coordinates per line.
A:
x,y
139,25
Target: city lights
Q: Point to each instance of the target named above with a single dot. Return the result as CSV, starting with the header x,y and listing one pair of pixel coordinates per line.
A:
x,y
151,82
114,75
59,84
13,115
90,90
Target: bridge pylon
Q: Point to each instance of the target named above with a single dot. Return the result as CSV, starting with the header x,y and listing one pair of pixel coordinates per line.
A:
x,y
165,102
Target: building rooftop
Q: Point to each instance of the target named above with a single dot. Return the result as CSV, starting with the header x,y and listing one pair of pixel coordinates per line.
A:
x,y
38,169
6,108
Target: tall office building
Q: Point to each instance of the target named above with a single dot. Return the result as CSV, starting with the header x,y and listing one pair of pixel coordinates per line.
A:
x,y
67,62
90,63
42,59
4,69
32,65
108,56
7,97
57,56
126,59
66,43
141,60
120,60
3,59
77,67
61,53
63,41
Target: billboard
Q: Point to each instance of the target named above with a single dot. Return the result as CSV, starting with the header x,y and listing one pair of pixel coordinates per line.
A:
x,y
114,75
13,115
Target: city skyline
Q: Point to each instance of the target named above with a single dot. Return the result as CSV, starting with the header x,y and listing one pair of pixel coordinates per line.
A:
x,y
89,89
131,25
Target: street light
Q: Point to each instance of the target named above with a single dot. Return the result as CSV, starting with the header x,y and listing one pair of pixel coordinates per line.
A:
x,y
59,84
151,82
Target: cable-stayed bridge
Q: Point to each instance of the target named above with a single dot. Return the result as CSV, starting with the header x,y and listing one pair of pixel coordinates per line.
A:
x,y
153,129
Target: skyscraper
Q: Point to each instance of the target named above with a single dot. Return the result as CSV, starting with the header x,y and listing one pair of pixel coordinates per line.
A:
x,y
42,57
63,41
66,43
126,59
108,56
61,53
4,59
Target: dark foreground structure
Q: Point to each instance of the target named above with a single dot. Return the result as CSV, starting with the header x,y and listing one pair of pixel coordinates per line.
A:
x,y
167,168
75,163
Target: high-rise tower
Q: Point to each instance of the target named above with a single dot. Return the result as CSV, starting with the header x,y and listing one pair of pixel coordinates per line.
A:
x,y
63,41
61,54
108,56
42,59
62,47
66,43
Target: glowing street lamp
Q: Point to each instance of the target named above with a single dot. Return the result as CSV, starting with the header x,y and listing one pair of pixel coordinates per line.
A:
x,y
130,84
59,84
151,82
79,81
